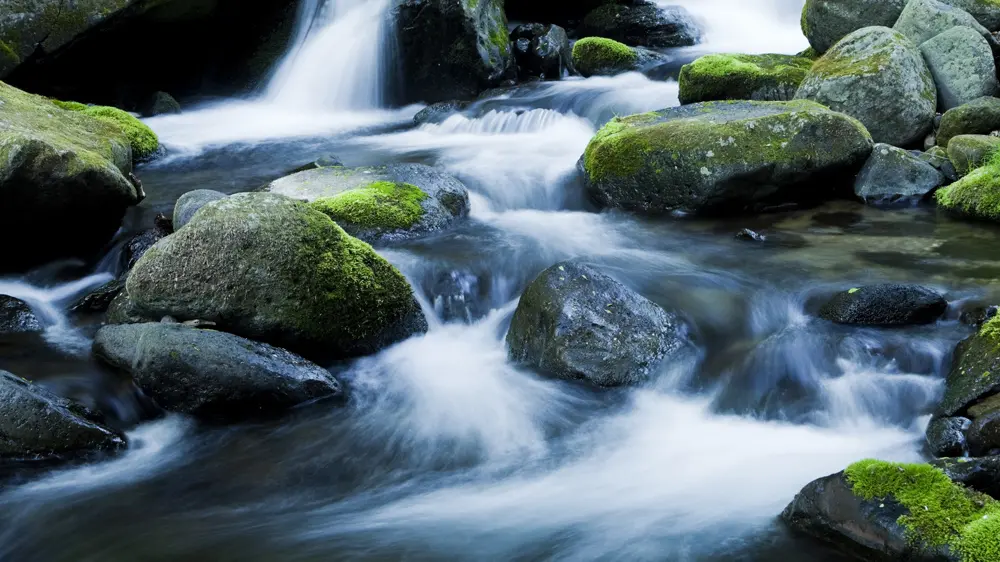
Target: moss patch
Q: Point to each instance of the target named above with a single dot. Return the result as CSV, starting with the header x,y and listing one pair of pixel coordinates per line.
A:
x,y
143,140
941,512
753,77
383,205
977,194
596,55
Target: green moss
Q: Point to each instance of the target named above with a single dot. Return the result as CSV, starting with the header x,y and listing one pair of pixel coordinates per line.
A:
x,y
381,205
143,140
832,66
594,55
70,105
735,76
977,194
991,330
941,512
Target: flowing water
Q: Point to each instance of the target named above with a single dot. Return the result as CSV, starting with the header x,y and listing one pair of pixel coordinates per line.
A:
x,y
446,451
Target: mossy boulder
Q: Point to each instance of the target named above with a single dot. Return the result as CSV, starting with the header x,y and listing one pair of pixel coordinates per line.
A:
x,y
642,23
212,375
192,202
877,510
598,55
724,157
961,62
885,305
968,152
977,195
141,138
824,22
742,77
576,322
978,117
452,49
270,268
922,20
381,203
37,425
64,167
876,75
975,373
893,175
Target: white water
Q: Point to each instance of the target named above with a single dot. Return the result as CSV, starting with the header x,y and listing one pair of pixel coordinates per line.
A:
x,y
50,304
751,26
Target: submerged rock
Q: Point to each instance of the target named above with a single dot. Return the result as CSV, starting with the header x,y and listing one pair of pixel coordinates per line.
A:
x,y
598,55
742,77
724,157
212,375
451,48
438,112
575,322
893,174
37,425
961,62
642,23
978,117
876,75
968,152
885,305
270,268
67,167
191,202
824,22
16,317
382,203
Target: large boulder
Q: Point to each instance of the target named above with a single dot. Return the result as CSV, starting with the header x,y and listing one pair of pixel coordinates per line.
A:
x,y
968,152
273,269
642,23
541,51
16,317
961,62
922,20
724,157
742,77
986,12
381,203
64,167
976,195
978,117
876,510
824,22
893,174
876,75
37,425
576,322
885,305
209,374
451,48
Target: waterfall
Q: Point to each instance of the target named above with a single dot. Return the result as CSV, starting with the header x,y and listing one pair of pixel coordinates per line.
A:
x,y
339,59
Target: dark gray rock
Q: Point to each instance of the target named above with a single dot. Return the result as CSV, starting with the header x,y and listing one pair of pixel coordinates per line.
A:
x,y
946,437
748,235
642,23
981,474
100,299
541,51
893,174
160,103
191,202
37,425
212,375
984,434
16,317
824,22
575,322
439,112
938,157
885,305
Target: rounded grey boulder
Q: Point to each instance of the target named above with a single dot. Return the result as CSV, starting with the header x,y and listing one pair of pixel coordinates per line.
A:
x,y
824,22
978,117
961,62
212,375
191,202
575,322
16,317
893,174
885,305
922,20
877,76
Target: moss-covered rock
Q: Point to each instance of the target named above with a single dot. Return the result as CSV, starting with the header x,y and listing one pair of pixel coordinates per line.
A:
x,y
192,202
381,203
64,167
452,49
876,75
883,510
975,372
961,62
824,22
922,20
978,117
598,55
742,77
724,157
143,140
968,152
270,268
642,23
977,195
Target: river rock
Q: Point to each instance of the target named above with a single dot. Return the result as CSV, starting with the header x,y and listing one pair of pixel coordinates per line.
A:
x,y
885,305
37,425
938,157
436,113
599,56
65,167
541,51
986,12
381,203
984,434
212,375
724,157
160,103
976,196
267,267
824,22
946,437
191,202
876,75
961,62
575,322
16,317
922,20
974,376
893,174
968,152
642,23
742,77
978,117
451,48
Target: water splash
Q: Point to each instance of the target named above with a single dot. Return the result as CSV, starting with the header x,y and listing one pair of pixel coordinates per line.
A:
x,y
50,306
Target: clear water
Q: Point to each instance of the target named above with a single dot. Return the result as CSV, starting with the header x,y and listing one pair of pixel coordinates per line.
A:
x,y
446,451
